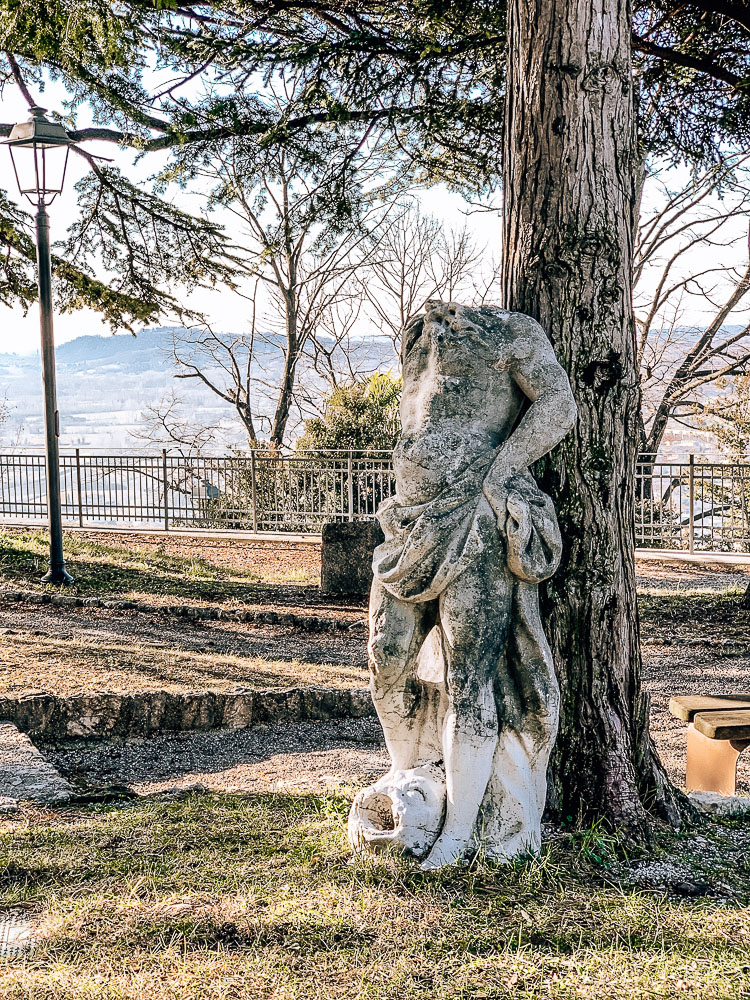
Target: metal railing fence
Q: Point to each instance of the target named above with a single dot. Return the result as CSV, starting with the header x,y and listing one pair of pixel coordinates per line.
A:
x,y
262,491
691,506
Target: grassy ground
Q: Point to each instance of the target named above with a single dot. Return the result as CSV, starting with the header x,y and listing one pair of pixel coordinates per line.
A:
x,y
67,650
255,896
699,602
215,571
219,571
76,664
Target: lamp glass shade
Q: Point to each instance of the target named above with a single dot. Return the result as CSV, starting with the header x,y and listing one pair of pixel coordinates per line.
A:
x,y
40,170
39,151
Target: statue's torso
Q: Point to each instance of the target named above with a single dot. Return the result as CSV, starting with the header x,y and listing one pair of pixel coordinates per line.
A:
x,y
459,402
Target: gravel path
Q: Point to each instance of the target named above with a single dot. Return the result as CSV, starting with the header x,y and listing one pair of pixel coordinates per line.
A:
x,y
304,757
309,756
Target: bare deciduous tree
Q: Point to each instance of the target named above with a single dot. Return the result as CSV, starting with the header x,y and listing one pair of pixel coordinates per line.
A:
x,y
328,296
165,423
681,270
417,259
308,217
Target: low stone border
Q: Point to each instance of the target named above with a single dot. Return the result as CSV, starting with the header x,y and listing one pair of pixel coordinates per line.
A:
x,y
315,623
24,772
102,715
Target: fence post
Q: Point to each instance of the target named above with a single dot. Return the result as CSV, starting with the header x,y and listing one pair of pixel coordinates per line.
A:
x,y
350,484
691,496
252,490
78,485
165,486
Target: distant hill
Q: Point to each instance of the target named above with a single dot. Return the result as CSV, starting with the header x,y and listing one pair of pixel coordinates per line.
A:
x,y
104,385
121,349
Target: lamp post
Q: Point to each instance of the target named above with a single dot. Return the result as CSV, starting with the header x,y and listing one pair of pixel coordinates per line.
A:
x,y
39,150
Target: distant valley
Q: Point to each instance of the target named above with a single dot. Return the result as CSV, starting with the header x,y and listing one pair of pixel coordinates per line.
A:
x,y
106,384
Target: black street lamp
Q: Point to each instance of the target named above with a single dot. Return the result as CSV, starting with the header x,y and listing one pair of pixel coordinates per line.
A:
x,y
39,150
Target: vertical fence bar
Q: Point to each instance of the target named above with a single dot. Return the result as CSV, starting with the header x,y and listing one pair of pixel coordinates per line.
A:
x,y
165,487
350,484
78,485
691,502
253,493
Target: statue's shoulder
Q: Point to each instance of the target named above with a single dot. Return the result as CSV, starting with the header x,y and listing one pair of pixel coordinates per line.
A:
x,y
527,336
513,334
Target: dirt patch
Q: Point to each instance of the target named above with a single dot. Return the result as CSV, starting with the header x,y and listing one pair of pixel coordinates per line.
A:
x,y
676,576
269,560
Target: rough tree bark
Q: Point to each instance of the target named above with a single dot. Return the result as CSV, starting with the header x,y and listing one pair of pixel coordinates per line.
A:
x,y
570,194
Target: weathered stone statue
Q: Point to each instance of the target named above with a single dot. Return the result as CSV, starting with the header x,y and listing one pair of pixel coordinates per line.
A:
x,y
462,675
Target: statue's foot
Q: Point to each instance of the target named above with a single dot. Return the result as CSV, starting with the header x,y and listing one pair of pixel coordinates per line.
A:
x,y
445,851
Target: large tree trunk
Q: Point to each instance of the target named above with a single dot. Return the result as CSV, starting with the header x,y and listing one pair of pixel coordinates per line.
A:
x,y
570,195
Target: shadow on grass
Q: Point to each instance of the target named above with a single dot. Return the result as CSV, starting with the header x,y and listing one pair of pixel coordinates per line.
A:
x,y
699,610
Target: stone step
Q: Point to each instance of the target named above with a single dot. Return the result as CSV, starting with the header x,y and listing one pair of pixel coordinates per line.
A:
x,y
25,775
309,620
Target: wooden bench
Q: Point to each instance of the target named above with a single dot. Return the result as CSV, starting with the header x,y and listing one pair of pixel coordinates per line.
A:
x,y
718,732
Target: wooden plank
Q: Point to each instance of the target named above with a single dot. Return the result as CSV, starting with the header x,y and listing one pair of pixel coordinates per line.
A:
x,y
724,725
686,706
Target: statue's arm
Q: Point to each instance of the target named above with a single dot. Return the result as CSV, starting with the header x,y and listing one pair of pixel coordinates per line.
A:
x,y
537,372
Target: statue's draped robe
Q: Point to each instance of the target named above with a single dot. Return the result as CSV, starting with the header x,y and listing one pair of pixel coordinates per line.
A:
x,y
426,549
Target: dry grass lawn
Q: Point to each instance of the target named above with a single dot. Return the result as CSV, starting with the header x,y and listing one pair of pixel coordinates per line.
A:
x,y
155,568
71,650
255,896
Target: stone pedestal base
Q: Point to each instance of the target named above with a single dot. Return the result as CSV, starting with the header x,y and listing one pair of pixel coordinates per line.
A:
x,y
346,556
